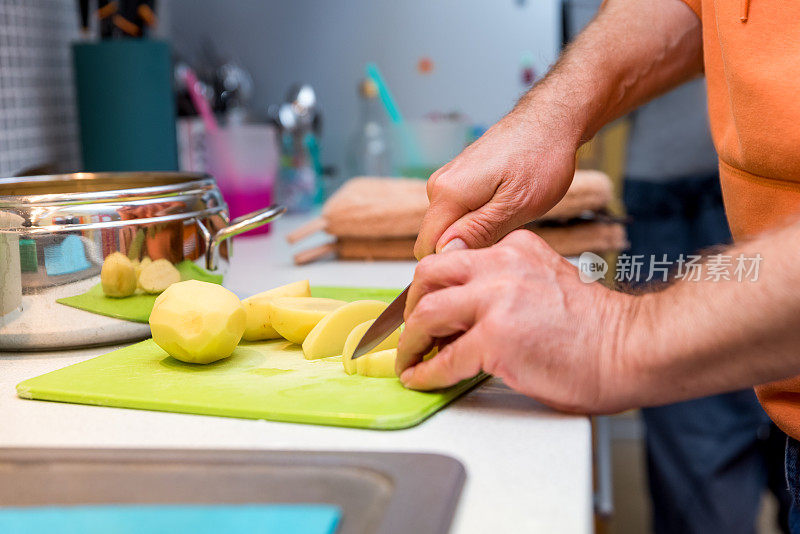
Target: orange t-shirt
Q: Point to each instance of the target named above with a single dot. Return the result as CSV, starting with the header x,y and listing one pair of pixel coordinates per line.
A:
x,y
752,64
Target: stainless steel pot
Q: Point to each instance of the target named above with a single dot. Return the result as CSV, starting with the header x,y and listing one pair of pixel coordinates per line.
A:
x,y
56,230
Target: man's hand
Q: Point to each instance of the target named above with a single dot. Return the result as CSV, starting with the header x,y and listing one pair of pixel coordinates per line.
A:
x,y
518,311
514,173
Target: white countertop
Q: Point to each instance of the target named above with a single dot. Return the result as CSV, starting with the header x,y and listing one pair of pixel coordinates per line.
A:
x,y
528,467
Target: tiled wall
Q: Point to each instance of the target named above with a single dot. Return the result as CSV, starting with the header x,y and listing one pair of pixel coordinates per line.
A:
x,y
37,107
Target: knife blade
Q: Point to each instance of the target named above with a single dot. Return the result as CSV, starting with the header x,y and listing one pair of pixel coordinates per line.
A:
x,y
386,323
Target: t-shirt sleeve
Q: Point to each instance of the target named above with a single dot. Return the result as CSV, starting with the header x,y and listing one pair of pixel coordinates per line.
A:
x,y
695,5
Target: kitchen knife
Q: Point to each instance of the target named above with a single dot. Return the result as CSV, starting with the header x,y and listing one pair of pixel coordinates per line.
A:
x,y
385,324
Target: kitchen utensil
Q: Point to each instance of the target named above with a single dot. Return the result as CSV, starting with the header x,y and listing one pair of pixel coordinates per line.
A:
x,y
409,143
147,15
265,380
83,12
105,11
299,121
374,491
303,100
177,216
234,88
353,248
386,323
389,103
201,105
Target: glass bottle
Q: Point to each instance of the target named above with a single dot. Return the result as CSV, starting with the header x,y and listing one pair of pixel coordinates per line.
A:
x,y
369,149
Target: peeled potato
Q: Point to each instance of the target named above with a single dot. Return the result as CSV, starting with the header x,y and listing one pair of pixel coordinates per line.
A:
x,y
259,325
328,336
197,322
118,276
294,317
354,337
377,364
158,276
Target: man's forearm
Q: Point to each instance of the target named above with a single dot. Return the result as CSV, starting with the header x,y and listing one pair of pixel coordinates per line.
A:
x,y
631,52
701,338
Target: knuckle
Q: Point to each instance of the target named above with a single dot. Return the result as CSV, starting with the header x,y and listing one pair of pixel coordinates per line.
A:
x,y
522,244
424,268
439,183
507,255
446,362
525,238
453,186
426,307
509,252
495,324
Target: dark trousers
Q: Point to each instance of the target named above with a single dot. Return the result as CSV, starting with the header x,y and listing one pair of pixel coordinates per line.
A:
x,y
793,480
708,460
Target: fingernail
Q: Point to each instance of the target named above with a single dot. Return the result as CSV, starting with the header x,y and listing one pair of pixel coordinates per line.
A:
x,y
455,244
407,375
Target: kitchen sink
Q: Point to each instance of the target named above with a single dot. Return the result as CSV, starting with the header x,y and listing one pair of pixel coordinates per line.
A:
x,y
378,493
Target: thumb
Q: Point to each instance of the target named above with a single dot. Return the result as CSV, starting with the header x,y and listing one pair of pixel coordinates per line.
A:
x,y
477,229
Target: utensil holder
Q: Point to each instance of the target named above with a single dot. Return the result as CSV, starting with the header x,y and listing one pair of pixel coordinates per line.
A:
x,y
126,107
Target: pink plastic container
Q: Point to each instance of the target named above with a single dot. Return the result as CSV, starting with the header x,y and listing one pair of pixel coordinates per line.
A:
x,y
244,161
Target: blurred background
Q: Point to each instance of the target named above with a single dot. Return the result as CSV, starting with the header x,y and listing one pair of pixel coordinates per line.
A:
x,y
449,63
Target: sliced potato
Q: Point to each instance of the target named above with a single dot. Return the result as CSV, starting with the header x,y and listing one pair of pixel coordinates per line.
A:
x,y
118,275
377,364
381,364
197,322
158,276
294,317
328,336
259,325
354,337
141,264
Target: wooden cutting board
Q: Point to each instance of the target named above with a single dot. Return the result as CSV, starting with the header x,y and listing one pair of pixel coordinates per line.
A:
x,y
265,380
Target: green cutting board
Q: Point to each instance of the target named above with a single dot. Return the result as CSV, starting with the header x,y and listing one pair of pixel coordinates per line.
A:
x,y
135,308
265,380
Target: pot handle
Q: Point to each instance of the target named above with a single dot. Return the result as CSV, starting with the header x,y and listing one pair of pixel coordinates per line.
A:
x,y
237,226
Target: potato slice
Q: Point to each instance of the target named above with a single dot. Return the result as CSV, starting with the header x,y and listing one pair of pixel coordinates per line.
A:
x,y
257,307
294,317
141,264
118,275
380,364
197,322
328,336
377,364
354,337
158,276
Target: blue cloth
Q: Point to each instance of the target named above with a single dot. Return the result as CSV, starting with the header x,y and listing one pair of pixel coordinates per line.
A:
x,y
708,460
171,519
